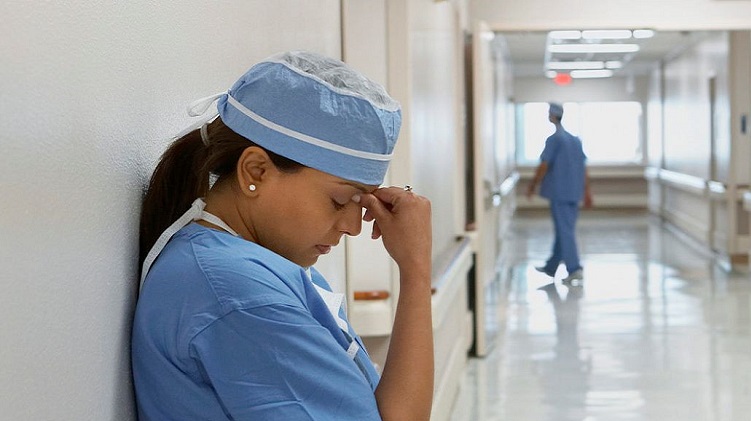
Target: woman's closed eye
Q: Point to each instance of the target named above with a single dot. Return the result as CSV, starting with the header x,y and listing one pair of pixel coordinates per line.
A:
x,y
337,205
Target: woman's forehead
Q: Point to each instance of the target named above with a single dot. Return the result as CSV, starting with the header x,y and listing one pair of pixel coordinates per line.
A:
x,y
334,181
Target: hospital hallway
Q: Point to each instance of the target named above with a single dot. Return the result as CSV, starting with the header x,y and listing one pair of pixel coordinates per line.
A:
x,y
658,330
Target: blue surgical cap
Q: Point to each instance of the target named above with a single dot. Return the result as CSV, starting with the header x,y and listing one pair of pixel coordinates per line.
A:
x,y
317,111
556,109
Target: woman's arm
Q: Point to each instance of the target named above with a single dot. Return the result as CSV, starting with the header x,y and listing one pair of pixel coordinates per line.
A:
x,y
403,220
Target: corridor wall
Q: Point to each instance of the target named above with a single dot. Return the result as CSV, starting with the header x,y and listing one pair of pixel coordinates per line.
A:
x,y
688,124
90,94
700,165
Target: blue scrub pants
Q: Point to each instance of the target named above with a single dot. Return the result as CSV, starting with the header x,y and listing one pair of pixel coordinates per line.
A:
x,y
564,248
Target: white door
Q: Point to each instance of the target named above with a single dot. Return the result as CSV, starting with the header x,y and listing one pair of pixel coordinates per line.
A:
x,y
486,177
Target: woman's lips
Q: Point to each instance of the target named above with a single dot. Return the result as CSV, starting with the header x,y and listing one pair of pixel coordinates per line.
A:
x,y
323,249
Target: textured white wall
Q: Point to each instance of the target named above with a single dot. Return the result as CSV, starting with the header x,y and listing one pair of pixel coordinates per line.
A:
x,y
90,93
660,14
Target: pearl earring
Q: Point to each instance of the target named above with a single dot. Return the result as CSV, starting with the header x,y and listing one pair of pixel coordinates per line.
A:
x,y
252,187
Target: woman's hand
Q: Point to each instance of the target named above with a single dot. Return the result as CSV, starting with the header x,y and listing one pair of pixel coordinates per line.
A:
x,y
403,220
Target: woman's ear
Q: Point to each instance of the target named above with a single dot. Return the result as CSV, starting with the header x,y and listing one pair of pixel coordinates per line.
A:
x,y
253,169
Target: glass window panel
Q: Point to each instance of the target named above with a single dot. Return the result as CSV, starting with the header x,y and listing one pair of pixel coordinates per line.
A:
x,y
610,131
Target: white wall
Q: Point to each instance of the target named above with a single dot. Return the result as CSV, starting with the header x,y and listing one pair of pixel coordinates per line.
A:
x,y
436,123
662,14
687,115
90,92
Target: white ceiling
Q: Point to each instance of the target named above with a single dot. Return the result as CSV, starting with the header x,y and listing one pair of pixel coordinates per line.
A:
x,y
526,51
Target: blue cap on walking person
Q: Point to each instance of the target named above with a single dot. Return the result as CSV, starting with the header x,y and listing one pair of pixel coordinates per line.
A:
x,y
556,109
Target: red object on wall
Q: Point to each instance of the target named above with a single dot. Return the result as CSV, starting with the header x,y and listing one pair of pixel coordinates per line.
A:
x,y
562,79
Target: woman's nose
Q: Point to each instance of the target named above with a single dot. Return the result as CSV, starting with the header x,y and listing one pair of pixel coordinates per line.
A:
x,y
351,221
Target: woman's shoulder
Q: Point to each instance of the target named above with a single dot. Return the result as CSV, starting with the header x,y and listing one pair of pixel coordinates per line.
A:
x,y
240,272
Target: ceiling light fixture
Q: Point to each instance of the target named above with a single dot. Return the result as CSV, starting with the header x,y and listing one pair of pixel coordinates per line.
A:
x,y
643,33
607,34
593,48
565,34
613,64
569,65
588,74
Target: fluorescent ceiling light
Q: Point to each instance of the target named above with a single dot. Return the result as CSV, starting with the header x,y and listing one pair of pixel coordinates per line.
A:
x,y
551,74
607,34
644,33
593,48
568,65
614,64
565,34
586,74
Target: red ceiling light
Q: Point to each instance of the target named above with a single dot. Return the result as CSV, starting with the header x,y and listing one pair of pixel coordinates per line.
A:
x,y
562,79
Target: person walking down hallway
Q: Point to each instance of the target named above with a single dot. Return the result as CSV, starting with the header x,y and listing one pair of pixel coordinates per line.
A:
x,y
563,180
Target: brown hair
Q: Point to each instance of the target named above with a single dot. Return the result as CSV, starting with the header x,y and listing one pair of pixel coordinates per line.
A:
x,y
182,175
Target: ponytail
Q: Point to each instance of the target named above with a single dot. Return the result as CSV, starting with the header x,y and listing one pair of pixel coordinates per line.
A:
x,y
182,176
178,180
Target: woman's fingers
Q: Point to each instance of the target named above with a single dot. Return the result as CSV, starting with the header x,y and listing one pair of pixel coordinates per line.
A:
x,y
374,209
376,234
371,205
402,220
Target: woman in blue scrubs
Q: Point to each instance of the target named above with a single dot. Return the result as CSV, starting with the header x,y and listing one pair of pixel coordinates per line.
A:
x,y
232,321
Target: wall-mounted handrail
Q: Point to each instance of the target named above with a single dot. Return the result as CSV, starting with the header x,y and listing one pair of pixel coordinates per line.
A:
x,y
689,183
652,173
371,295
449,275
504,189
716,190
508,185
443,268
711,189
597,172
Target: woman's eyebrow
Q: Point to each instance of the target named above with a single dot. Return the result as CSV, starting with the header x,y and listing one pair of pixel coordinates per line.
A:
x,y
360,187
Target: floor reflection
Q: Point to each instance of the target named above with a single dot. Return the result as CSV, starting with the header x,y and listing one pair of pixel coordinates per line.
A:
x,y
566,365
658,331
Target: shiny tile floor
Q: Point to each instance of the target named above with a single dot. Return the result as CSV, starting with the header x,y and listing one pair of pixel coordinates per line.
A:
x,y
657,332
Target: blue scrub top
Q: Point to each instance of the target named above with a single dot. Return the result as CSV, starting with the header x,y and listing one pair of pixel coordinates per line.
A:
x,y
227,330
564,179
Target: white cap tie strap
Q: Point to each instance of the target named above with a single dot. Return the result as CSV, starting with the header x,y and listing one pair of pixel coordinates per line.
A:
x,y
205,133
199,107
196,212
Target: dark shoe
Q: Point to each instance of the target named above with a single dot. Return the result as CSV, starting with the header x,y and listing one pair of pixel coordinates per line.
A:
x,y
575,279
544,270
